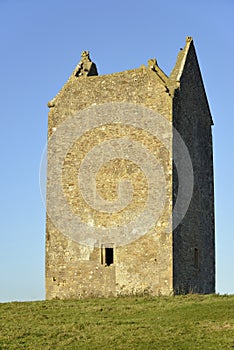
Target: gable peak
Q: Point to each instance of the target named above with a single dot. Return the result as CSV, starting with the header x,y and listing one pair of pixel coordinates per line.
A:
x,y
181,59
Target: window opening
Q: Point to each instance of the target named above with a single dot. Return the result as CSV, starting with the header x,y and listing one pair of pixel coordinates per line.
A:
x,y
107,255
196,258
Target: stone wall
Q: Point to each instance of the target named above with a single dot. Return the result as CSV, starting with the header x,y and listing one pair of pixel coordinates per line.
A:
x,y
193,239
140,267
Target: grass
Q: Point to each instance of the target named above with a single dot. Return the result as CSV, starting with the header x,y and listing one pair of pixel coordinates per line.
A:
x,y
181,322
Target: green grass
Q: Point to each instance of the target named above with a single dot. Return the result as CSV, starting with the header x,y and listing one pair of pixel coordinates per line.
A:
x,y
181,322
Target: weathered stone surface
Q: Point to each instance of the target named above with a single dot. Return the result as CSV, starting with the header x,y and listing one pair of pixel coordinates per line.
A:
x,y
160,261
192,118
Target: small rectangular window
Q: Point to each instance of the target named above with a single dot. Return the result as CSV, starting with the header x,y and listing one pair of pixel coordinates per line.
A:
x,y
107,255
196,258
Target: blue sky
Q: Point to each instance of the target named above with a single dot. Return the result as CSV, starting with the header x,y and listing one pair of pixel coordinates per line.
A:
x,y
41,42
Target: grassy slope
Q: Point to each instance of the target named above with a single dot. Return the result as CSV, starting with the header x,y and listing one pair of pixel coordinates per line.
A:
x,y
182,322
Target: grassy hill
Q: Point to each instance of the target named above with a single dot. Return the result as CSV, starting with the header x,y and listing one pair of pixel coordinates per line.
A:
x,y
181,322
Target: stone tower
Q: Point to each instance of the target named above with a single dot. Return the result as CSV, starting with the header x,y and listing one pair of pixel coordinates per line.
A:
x,y
130,203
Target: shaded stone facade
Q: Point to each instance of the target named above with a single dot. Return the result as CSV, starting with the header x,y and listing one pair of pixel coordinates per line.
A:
x,y
162,260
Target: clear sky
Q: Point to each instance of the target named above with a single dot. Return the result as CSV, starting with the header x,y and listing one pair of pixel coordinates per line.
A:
x,y
41,43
